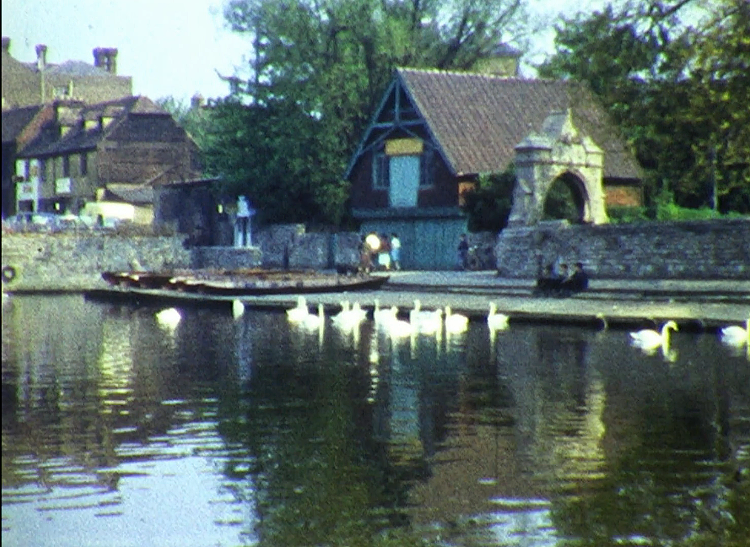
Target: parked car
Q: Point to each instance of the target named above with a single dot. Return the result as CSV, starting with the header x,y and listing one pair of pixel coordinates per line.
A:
x,y
44,222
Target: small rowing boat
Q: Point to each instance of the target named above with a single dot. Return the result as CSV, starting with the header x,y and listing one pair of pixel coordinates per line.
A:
x,y
252,282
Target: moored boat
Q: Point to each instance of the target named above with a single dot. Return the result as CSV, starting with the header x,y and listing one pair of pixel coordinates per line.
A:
x,y
253,282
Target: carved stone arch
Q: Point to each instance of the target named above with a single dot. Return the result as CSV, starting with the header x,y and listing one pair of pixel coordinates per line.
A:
x,y
573,180
542,158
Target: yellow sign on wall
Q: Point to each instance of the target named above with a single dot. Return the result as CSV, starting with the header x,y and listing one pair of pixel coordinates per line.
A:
x,y
403,147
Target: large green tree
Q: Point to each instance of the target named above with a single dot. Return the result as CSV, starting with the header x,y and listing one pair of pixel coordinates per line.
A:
x,y
317,70
679,91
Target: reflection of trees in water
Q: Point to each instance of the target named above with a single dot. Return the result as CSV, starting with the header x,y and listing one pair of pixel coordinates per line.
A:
x,y
666,447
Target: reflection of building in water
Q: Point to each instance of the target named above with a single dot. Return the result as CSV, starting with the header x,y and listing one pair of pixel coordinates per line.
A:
x,y
404,405
115,364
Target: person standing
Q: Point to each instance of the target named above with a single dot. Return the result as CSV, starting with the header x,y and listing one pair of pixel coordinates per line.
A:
x,y
463,252
384,257
395,251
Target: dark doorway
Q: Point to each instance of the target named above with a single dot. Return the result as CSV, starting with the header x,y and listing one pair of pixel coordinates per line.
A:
x,y
565,200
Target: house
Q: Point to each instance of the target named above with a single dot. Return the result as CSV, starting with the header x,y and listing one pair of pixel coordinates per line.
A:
x,y
13,124
39,82
70,153
435,132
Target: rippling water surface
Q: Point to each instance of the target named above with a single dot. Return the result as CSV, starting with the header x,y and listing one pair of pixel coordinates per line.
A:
x,y
120,431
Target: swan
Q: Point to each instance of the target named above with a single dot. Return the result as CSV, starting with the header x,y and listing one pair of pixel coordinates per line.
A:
x,y
399,328
357,313
429,322
298,313
648,339
735,335
314,320
455,322
384,315
495,320
342,315
168,318
238,309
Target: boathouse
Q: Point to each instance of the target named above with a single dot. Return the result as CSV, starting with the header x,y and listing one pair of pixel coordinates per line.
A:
x,y
435,132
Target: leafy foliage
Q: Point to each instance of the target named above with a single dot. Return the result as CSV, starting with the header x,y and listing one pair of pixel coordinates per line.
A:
x,y
488,205
679,92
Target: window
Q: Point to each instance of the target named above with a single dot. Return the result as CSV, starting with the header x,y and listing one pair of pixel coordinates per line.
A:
x,y
42,171
426,168
84,164
380,170
66,166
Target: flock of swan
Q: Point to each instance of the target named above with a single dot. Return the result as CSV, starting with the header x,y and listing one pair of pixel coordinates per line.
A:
x,y
438,320
420,321
649,340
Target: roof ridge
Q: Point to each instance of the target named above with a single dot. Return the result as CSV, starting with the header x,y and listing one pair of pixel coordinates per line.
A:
x,y
470,74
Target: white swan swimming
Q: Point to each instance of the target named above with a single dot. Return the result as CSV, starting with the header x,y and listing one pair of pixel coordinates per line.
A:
x,y
299,312
168,318
343,315
427,322
455,322
349,318
495,320
735,335
314,321
238,309
383,316
399,328
357,313
648,339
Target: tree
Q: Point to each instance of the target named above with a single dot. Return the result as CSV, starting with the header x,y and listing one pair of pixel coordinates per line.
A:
x,y
488,205
678,91
318,70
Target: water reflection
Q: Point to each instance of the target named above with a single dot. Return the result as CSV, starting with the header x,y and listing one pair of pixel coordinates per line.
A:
x,y
249,431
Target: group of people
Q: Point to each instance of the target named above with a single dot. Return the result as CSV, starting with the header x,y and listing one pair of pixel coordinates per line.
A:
x,y
562,282
380,252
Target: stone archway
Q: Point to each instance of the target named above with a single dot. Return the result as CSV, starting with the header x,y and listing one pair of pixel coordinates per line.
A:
x,y
566,198
558,151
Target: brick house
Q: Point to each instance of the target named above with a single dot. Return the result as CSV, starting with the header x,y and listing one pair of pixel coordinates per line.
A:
x,y
435,132
71,153
25,84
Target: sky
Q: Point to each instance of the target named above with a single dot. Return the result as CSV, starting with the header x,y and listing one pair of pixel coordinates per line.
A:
x,y
169,47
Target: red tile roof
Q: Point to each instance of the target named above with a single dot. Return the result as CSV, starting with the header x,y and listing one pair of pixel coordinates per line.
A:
x,y
478,119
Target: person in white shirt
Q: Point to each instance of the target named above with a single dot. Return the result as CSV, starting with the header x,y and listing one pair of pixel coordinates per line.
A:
x,y
395,251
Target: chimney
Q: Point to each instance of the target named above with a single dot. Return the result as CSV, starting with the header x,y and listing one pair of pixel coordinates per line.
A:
x,y
106,58
196,101
41,56
6,44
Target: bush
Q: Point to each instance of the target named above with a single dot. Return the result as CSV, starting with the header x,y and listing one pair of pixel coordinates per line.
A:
x,y
621,215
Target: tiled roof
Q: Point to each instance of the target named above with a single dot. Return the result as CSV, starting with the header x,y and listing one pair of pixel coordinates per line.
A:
x,y
131,193
15,120
49,142
478,119
76,68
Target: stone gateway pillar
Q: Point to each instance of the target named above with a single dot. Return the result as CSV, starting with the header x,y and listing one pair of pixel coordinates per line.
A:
x,y
541,158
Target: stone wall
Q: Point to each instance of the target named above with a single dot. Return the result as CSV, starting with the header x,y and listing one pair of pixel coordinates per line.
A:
x,y
44,262
290,246
226,258
717,249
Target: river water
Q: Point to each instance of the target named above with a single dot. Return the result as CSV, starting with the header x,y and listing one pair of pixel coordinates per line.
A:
x,y
118,431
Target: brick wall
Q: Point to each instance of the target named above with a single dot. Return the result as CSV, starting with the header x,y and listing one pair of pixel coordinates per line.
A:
x,y
664,250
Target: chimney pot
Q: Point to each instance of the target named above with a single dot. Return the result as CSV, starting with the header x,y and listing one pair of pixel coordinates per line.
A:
x,y
106,58
41,56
